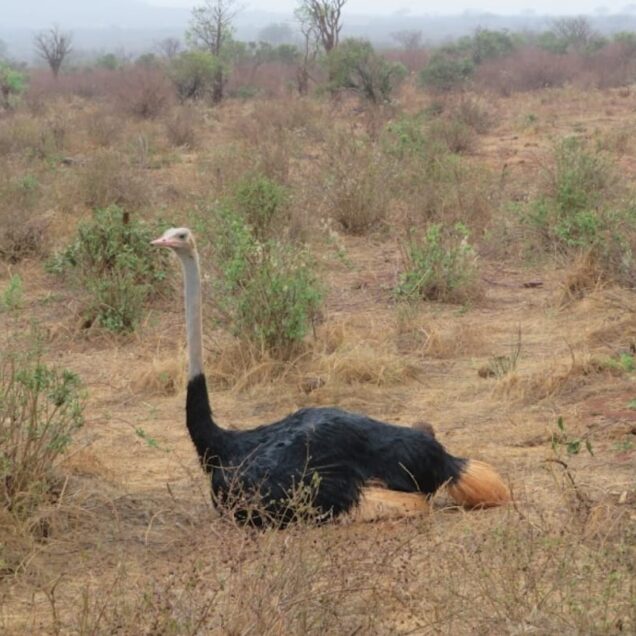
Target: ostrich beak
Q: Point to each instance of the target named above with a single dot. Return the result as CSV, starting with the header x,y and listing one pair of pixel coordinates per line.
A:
x,y
163,241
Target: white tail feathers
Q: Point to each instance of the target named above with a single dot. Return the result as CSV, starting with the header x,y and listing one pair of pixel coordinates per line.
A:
x,y
479,486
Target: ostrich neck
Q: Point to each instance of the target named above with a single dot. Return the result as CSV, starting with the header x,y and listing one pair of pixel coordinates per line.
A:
x,y
192,278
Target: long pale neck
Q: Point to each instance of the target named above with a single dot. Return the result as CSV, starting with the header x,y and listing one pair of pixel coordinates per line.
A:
x,y
192,279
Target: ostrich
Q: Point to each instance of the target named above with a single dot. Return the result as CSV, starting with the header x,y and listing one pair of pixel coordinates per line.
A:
x,y
350,464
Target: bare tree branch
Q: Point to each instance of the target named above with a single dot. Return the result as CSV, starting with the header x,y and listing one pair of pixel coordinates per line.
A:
x,y
324,15
53,46
168,47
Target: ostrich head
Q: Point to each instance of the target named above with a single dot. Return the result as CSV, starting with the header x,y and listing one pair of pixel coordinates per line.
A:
x,y
179,239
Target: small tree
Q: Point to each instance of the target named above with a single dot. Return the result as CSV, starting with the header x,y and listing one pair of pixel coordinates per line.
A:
x,y
309,49
409,40
194,74
211,30
168,48
12,83
324,16
355,66
53,46
274,33
445,73
574,32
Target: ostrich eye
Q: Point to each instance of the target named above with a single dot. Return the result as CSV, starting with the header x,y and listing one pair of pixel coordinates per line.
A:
x,y
182,236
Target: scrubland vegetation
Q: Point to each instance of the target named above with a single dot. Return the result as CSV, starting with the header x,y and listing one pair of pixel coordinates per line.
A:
x,y
444,235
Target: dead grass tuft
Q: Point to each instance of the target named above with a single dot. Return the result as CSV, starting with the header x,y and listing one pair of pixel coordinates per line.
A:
x,y
109,178
165,376
183,127
555,379
420,335
584,275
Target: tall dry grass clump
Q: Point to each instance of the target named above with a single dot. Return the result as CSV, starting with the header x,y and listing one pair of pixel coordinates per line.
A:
x,y
357,182
110,178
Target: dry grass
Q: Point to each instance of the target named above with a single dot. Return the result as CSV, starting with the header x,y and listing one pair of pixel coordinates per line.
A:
x,y
128,542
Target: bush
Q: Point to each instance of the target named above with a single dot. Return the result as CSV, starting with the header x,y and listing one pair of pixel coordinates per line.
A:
x,y
40,409
12,85
262,203
144,92
431,183
454,134
445,73
194,73
112,259
356,183
581,210
268,288
108,178
528,69
181,127
355,66
441,266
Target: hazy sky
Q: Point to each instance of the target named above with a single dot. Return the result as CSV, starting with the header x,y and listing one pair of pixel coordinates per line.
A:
x,y
446,7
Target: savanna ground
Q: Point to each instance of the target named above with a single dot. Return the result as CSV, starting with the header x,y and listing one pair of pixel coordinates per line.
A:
x,y
545,329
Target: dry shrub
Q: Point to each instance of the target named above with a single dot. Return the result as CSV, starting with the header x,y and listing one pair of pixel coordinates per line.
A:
x,y
527,69
88,83
457,136
183,127
528,567
28,237
619,328
364,363
357,182
34,137
165,376
556,379
614,65
474,113
108,178
585,274
414,59
143,92
270,79
418,334
103,128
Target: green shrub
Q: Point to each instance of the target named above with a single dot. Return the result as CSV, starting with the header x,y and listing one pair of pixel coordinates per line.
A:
x,y
582,210
112,259
457,136
194,73
12,85
355,66
431,183
40,409
262,202
267,288
440,266
445,73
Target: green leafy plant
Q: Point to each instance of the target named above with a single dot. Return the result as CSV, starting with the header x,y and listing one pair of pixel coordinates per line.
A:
x,y
499,366
580,210
355,66
11,298
445,73
41,407
262,202
112,259
439,266
194,74
572,445
12,85
268,289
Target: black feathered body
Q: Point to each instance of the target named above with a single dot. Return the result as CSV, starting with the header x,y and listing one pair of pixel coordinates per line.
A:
x,y
330,452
